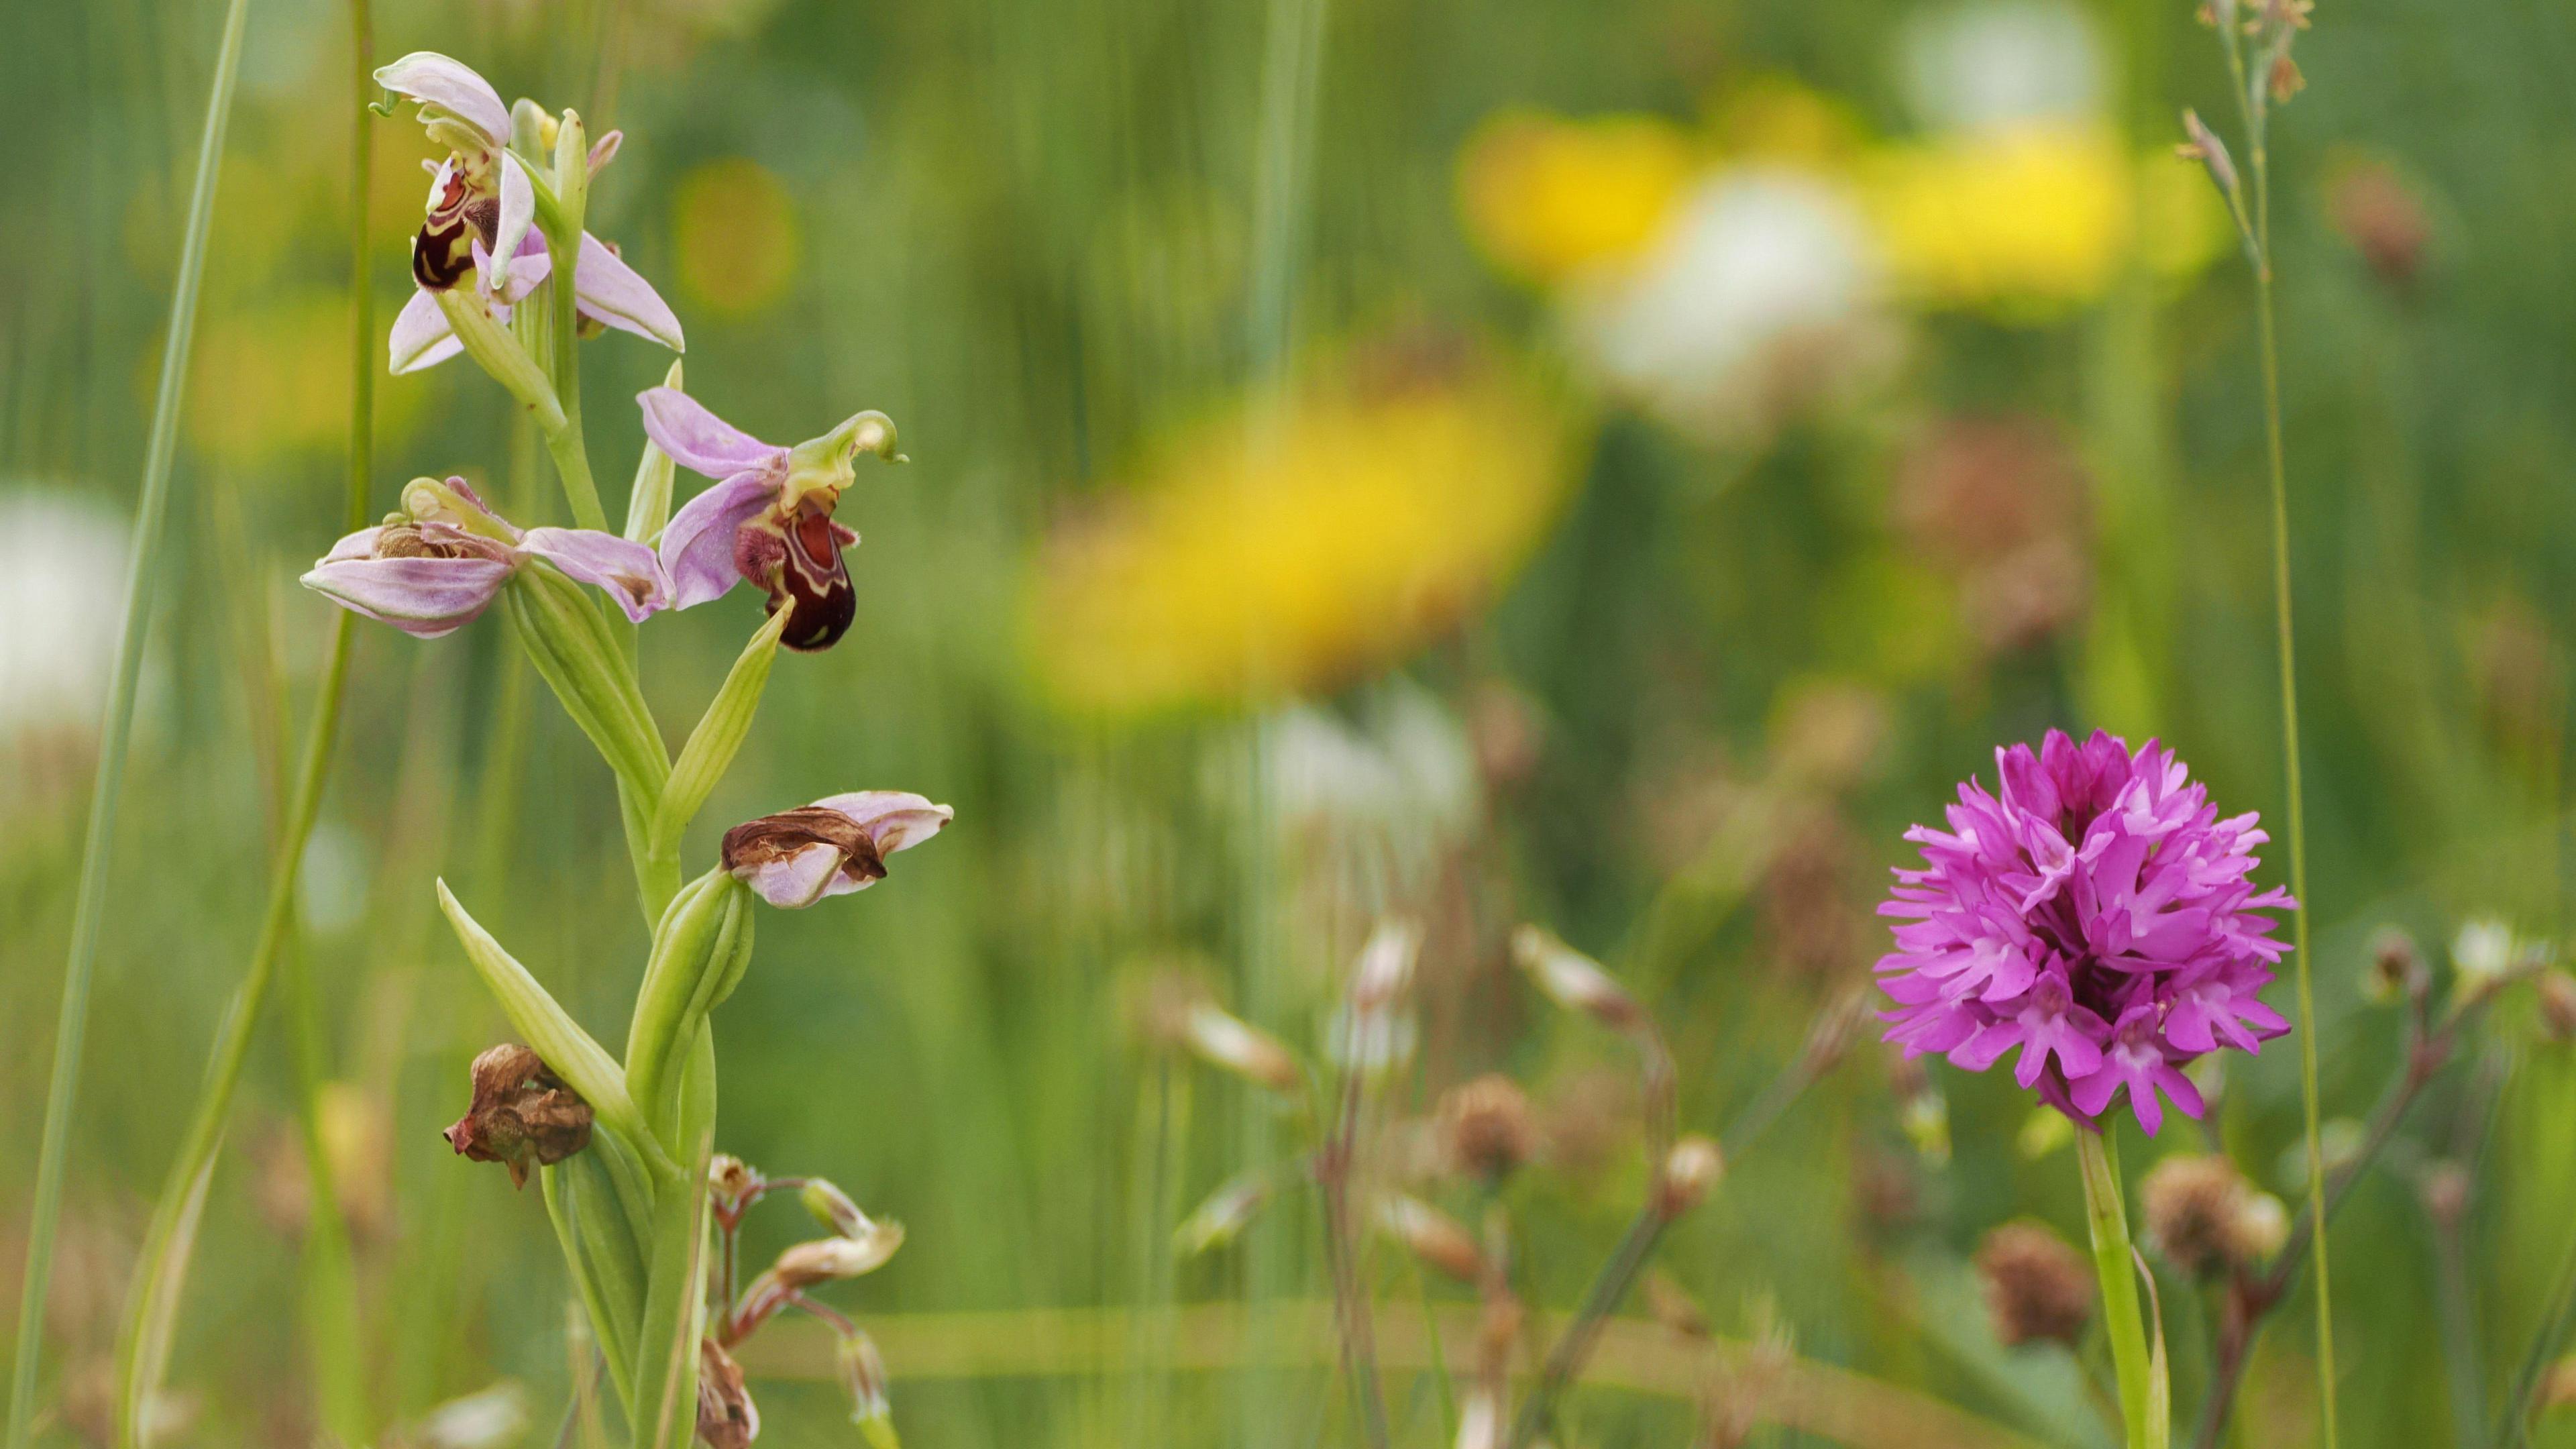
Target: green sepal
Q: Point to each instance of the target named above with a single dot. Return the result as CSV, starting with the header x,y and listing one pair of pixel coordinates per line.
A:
x,y
700,949
711,746
570,644
568,1051
663,1407
648,504
498,353
600,1254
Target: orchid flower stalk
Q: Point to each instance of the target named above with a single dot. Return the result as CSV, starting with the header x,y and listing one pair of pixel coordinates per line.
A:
x,y
622,1143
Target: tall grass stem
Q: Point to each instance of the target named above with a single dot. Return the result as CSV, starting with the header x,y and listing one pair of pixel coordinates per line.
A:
x,y
115,731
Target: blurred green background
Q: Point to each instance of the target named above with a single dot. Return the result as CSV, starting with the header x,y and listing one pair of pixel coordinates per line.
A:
x,y
1607,465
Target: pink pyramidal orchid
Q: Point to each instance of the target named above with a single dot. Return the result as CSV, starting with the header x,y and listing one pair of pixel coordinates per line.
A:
x,y
438,564
834,846
769,519
481,220
2098,917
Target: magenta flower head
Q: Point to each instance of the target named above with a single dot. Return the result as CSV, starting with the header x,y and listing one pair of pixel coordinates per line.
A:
x,y
440,562
481,221
2098,916
834,846
769,518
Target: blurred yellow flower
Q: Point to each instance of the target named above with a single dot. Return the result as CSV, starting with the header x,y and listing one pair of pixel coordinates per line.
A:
x,y
274,377
2028,221
1297,547
1546,197
1774,118
735,229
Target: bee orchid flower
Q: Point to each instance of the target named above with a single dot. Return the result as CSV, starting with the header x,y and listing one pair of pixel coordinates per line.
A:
x,y
834,846
481,222
440,562
769,519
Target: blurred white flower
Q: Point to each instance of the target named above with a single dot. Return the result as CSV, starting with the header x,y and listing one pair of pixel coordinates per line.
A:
x,y
1761,297
2000,63
1382,796
493,1417
62,578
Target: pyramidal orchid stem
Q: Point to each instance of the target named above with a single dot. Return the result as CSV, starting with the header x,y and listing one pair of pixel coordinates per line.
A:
x,y
494,350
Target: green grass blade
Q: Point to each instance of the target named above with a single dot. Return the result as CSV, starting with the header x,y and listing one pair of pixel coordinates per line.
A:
x,y
72,1022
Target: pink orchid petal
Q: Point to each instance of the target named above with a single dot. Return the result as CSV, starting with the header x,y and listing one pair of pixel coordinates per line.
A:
x,y
894,819
700,441
614,293
800,880
518,213
697,544
421,337
452,86
358,545
628,572
424,597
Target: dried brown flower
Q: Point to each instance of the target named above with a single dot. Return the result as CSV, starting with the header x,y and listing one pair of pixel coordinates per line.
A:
x,y
2558,1005
1485,1127
2201,1214
521,1113
2383,217
2037,1285
2397,969
727,1418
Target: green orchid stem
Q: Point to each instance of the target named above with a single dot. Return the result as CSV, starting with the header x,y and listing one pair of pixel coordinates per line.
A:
x,y
2251,108
115,732
2107,1218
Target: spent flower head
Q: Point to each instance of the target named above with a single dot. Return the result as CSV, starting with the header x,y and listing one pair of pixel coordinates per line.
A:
x,y
2097,916
834,846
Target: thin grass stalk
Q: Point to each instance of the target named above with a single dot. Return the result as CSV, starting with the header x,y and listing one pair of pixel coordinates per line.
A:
x,y
1565,1359
115,732
332,1323
2250,107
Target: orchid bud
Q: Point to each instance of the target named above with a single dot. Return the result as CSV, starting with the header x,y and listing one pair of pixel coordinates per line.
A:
x,y
1223,1216
700,949
1575,981
826,1260
498,353
863,1373
833,1209
1690,1170
731,1185
1431,1235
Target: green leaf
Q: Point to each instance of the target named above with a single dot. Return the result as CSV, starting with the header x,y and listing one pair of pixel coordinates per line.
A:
x,y
551,1032
600,1255
648,504
710,750
149,1326
573,650
498,353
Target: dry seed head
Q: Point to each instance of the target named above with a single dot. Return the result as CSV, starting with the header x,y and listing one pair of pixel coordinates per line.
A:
x,y
1485,1127
2037,1285
1431,1235
2196,1208
2205,148
1575,981
2397,969
1690,1170
727,1418
522,1113
2558,1005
